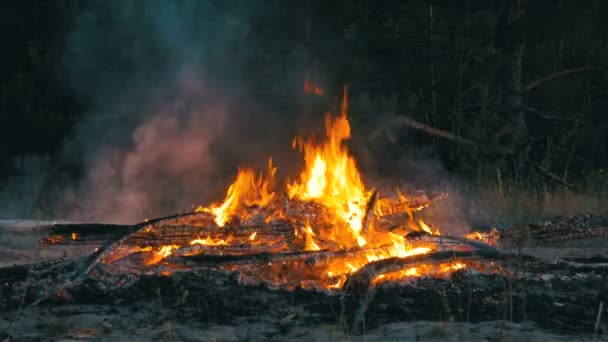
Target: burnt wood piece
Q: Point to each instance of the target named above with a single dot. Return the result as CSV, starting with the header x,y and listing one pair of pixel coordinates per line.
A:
x,y
361,280
451,240
389,206
83,234
369,212
88,232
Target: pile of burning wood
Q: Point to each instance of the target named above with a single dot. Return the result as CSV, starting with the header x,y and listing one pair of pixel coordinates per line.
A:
x,y
325,228
282,253
325,238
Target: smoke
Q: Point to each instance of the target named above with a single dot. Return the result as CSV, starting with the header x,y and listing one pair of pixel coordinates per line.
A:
x,y
168,123
181,93
168,167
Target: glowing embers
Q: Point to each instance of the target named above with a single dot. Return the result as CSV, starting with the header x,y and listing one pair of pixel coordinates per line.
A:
x,y
428,270
208,241
161,253
490,237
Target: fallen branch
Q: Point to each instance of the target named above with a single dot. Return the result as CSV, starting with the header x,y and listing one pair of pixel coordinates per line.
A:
x,y
435,131
552,117
559,74
453,137
556,178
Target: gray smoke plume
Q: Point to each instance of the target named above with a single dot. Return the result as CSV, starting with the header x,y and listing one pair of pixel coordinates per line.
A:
x,y
168,125
181,93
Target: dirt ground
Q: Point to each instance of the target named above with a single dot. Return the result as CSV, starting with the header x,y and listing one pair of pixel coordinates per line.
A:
x,y
148,322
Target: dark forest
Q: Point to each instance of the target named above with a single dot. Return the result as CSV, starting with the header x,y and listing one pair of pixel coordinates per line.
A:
x,y
273,170
503,95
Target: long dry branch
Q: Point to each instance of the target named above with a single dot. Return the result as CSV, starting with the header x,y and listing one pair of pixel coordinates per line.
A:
x,y
436,131
559,74
453,137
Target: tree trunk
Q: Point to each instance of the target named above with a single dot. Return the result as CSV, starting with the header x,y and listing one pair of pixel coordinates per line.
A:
x,y
510,40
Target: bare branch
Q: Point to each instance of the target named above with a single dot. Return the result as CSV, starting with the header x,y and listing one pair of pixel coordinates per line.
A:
x,y
553,117
559,74
435,131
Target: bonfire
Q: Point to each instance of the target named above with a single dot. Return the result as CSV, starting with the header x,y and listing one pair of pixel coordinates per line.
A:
x,y
315,232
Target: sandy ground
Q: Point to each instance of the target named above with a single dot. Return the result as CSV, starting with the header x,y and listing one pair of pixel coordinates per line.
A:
x,y
18,244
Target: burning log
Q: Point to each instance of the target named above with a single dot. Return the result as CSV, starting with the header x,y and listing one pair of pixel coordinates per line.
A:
x,y
400,205
362,280
452,240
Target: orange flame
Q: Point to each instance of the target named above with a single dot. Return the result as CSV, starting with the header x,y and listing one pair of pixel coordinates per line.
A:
x,y
331,177
438,270
490,237
208,241
246,190
160,254
425,227
310,242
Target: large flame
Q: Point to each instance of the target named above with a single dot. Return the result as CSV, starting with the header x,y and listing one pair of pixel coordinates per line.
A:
x,y
331,177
